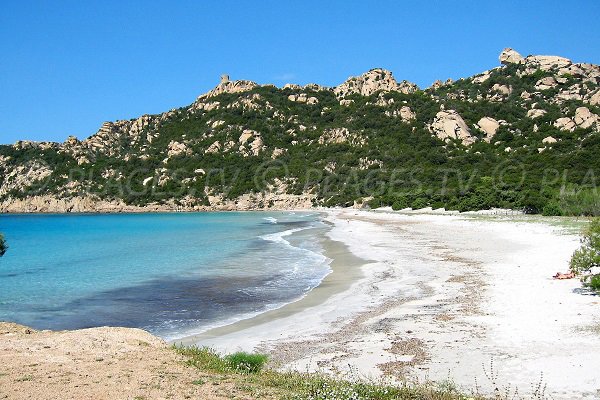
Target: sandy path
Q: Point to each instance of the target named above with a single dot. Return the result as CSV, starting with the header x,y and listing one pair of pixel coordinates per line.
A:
x,y
98,363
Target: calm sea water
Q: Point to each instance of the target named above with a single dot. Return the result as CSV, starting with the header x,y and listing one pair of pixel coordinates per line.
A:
x,y
172,274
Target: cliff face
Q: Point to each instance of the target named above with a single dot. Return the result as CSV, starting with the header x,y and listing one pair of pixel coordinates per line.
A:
x,y
249,146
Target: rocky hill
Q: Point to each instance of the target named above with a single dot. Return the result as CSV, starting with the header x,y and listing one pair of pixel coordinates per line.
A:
x,y
522,135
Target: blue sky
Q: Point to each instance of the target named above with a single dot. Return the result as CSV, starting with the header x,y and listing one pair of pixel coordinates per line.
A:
x,y
67,66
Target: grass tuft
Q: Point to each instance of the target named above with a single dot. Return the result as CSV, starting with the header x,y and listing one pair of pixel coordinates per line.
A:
x,y
245,362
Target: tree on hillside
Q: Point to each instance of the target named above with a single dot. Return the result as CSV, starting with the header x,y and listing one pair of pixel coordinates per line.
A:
x,y
3,245
587,257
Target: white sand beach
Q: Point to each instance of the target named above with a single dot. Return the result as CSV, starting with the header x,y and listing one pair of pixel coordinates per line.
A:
x,y
439,297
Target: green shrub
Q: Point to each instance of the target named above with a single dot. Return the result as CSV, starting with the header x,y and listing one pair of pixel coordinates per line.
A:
x,y
421,202
594,282
246,362
400,204
3,245
552,209
588,255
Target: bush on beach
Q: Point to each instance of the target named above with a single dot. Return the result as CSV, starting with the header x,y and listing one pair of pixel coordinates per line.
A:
x,y
587,257
3,245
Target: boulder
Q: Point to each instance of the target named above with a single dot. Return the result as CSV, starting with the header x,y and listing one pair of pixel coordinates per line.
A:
x,y
502,89
584,118
595,98
246,135
535,113
549,140
437,84
407,114
547,63
510,56
489,126
228,86
213,148
450,125
546,83
565,123
175,149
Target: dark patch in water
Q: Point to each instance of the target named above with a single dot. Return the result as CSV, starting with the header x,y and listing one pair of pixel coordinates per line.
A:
x,y
167,305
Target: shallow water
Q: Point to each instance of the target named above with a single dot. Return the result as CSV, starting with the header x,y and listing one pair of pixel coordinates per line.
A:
x,y
172,274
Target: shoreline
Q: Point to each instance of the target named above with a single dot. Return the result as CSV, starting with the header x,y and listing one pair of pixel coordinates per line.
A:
x,y
434,287
426,297
346,269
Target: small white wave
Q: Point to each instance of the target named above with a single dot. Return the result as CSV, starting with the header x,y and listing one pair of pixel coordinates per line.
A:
x,y
278,237
271,220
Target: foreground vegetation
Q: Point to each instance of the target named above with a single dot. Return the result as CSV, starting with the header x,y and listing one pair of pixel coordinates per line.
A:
x,y
249,373
3,245
586,260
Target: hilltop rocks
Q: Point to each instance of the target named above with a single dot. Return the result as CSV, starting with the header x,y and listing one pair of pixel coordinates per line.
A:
x,y
510,56
375,80
549,140
547,63
450,125
227,86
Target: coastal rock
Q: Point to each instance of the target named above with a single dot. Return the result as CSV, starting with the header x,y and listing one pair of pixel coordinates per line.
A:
x,y
450,125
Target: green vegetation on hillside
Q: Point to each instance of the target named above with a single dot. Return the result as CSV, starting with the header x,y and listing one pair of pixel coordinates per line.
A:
x,y
390,160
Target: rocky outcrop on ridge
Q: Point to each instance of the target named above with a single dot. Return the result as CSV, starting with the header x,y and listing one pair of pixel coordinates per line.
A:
x,y
209,154
375,80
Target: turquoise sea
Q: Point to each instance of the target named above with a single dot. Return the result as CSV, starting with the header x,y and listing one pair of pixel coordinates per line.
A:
x,y
172,274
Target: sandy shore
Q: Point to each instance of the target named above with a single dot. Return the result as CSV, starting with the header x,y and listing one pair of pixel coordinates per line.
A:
x,y
438,297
